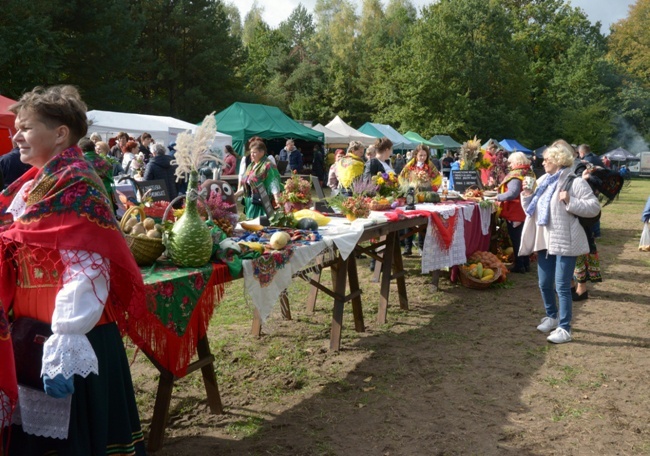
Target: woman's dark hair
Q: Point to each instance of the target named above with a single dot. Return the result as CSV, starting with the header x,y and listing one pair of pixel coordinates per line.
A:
x,y
229,149
56,106
86,145
257,145
383,144
250,142
420,147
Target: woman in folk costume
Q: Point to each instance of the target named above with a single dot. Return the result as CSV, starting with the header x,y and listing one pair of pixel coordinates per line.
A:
x,y
421,174
489,156
420,171
510,203
606,185
259,173
64,262
350,167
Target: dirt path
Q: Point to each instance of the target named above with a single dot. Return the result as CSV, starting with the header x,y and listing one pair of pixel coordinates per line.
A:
x,y
462,372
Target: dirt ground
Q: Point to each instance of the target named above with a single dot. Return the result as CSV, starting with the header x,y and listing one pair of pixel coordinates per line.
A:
x,y
462,372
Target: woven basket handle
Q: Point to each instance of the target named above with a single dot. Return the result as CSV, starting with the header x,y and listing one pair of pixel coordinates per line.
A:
x,y
128,213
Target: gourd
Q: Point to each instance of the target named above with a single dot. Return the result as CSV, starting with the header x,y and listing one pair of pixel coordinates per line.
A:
x,y
190,242
279,240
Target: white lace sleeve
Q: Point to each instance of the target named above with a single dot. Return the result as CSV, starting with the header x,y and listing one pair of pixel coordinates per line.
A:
x,y
79,306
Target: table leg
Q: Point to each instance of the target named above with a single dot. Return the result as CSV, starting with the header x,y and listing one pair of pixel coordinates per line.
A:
x,y
285,307
160,411
209,377
386,267
256,329
339,272
313,293
399,274
353,280
376,273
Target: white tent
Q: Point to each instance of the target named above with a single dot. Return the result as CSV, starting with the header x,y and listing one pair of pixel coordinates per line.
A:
x,y
332,138
162,129
337,125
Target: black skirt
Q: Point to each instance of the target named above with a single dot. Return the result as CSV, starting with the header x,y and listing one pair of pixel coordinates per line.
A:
x,y
104,418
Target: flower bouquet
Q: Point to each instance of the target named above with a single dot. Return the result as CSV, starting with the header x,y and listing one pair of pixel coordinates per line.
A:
x,y
387,184
137,166
354,207
296,194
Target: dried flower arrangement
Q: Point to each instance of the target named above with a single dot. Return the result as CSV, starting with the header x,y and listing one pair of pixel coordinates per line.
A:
x,y
364,186
193,150
471,156
296,190
356,207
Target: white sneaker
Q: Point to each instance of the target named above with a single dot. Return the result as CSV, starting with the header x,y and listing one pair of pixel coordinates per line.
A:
x,y
548,324
559,336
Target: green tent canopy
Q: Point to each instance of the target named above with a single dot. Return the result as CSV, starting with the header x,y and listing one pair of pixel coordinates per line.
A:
x,y
242,121
413,136
381,130
447,141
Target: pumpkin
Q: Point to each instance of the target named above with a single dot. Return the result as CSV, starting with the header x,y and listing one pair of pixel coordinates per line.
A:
x,y
307,224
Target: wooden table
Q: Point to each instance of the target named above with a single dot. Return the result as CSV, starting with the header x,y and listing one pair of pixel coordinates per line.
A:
x,y
386,251
171,352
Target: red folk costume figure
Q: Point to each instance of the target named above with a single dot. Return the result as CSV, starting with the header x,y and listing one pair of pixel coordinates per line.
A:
x,y
511,209
64,262
422,174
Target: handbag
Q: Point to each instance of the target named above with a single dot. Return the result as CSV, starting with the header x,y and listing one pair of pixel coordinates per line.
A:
x,y
256,199
28,337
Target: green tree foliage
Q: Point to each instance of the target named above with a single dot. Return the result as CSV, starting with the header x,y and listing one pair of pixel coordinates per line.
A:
x,y
571,81
47,42
630,42
458,73
189,59
535,70
629,51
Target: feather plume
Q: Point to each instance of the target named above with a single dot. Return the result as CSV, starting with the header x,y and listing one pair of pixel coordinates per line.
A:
x,y
193,150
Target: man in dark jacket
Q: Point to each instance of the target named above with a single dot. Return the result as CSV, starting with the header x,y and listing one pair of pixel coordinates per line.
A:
x,y
587,155
160,167
11,168
318,165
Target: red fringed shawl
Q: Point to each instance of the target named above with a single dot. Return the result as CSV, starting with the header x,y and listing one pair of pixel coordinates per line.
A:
x,y
67,209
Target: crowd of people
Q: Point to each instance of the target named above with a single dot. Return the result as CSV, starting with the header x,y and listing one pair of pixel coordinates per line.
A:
x,y
57,201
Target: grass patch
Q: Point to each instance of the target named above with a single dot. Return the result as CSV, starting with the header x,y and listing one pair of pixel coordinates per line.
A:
x,y
246,427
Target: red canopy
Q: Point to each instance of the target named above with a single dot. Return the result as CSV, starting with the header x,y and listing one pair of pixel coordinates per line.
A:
x,y
6,124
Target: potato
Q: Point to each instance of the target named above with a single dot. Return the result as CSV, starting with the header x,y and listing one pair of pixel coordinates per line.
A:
x,y
149,224
138,229
154,234
130,223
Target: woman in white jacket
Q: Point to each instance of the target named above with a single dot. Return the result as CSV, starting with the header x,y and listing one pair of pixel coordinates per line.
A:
x,y
552,229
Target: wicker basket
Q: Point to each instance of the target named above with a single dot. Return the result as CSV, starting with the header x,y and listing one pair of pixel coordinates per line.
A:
x,y
145,250
477,284
377,206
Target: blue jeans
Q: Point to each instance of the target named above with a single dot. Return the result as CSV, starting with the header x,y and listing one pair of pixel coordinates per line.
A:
x,y
555,273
